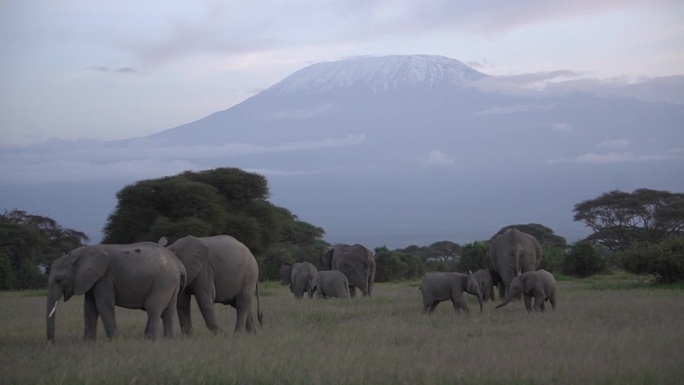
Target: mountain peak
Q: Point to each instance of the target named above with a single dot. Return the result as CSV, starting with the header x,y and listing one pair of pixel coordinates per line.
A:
x,y
378,73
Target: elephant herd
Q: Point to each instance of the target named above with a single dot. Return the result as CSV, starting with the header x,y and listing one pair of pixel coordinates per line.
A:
x,y
345,268
161,279
515,257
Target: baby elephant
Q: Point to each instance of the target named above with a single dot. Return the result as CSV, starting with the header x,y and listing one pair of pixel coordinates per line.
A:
x,y
440,286
487,279
330,283
539,284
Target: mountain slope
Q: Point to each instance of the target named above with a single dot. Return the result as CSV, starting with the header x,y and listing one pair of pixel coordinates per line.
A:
x,y
398,150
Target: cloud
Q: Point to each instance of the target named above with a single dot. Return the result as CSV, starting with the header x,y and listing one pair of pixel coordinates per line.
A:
x,y
137,160
562,127
437,158
511,109
669,89
122,70
76,171
523,84
615,157
218,28
614,144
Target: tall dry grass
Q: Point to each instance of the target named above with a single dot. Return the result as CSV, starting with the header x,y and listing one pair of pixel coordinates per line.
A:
x,y
598,335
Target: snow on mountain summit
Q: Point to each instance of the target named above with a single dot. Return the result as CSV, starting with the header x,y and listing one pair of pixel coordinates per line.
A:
x,y
378,73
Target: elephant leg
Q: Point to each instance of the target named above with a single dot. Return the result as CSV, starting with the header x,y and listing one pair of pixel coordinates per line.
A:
x,y
206,306
552,299
105,306
184,313
433,306
249,326
352,291
167,321
541,306
460,303
528,302
538,300
156,304
90,317
243,306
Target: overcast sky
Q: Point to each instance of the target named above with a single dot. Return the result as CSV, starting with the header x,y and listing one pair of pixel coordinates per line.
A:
x,y
111,70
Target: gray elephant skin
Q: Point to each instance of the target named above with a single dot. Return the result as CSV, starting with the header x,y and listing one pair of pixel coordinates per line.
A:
x,y
220,270
302,278
487,279
438,286
331,283
135,276
511,253
540,285
356,262
284,273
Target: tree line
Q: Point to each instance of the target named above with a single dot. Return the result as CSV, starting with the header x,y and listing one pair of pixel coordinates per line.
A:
x,y
641,232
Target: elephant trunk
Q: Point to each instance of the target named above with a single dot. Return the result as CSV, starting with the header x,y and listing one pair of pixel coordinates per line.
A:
x,y
479,299
505,302
54,295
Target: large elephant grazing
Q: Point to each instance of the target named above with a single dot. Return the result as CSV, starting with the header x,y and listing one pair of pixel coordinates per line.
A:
x,y
330,283
220,270
356,262
136,276
511,253
540,285
302,278
438,286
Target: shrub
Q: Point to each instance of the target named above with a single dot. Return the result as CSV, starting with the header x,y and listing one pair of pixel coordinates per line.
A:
x,y
552,259
474,256
665,259
583,261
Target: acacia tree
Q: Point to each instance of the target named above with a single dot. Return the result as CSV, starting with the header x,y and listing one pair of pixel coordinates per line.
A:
x,y
205,203
544,235
620,219
27,241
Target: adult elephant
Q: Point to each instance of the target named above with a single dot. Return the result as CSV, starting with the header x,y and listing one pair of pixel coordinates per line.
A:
x,y
220,270
511,253
135,276
356,262
284,273
302,279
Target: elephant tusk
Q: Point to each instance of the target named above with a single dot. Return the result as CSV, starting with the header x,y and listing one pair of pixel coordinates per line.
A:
x,y
54,308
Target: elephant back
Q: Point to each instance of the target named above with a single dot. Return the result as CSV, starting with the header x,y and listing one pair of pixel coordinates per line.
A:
x,y
520,250
355,263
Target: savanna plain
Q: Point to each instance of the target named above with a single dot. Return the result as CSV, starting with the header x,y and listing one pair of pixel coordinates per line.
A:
x,y
612,329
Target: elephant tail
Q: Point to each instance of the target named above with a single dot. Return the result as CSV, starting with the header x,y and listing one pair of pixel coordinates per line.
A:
x,y
260,315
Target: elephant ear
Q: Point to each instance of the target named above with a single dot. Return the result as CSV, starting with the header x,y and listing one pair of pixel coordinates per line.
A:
x,y
193,253
90,265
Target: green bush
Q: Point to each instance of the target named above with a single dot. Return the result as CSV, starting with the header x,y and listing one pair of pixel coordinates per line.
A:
x,y
583,261
665,259
474,256
553,259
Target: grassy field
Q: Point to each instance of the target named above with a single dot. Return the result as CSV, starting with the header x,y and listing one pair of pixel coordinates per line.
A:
x,y
606,330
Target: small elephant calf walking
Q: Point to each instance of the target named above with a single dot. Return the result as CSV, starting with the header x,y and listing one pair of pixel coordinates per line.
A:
x,y
330,283
539,284
440,286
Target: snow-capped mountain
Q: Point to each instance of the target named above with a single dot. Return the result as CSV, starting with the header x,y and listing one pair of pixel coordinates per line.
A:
x,y
377,74
393,150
